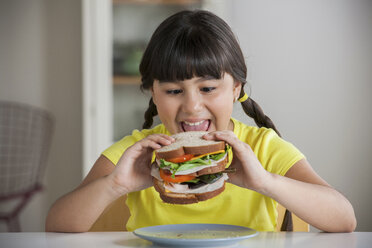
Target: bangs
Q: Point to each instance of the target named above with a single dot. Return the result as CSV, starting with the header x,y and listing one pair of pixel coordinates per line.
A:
x,y
192,44
189,55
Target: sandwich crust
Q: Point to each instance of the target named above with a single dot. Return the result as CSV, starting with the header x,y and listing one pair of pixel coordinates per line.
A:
x,y
189,143
181,198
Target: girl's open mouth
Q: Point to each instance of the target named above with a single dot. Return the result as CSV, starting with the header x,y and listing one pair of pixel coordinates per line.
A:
x,y
195,126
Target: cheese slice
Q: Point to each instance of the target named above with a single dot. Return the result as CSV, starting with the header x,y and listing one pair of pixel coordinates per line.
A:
x,y
211,153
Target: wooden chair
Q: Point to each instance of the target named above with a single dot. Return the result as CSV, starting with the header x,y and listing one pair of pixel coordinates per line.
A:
x,y
116,215
298,224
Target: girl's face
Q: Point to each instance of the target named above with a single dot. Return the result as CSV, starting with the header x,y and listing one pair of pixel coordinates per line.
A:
x,y
197,104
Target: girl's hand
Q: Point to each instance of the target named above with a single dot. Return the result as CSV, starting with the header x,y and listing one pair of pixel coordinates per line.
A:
x,y
249,171
133,171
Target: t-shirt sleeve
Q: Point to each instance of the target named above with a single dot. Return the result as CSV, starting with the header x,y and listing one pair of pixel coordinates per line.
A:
x,y
115,151
275,154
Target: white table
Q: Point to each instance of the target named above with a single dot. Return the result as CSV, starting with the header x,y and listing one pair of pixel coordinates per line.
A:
x,y
127,239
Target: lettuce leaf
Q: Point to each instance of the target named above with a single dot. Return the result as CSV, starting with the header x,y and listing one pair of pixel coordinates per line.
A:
x,y
195,180
170,165
217,156
206,160
195,163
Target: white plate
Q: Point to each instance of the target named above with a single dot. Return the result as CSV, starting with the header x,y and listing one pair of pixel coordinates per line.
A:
x,y
195,234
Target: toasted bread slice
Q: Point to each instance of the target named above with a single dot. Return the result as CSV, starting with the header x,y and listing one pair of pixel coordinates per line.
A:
x,y
189,143
181,198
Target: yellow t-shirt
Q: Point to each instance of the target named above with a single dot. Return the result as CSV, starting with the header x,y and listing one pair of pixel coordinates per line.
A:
x,y
235,206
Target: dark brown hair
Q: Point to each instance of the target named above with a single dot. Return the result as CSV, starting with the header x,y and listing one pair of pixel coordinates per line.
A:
x,y
195,44
198,44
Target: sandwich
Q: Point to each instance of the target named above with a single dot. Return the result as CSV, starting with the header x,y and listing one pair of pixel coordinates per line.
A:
x,y
191,169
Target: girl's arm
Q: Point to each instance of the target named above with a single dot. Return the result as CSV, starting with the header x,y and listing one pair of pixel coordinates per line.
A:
x,y
78,210
301,191
308,196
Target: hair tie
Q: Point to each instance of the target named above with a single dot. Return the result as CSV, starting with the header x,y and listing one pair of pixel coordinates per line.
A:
x,y
243,98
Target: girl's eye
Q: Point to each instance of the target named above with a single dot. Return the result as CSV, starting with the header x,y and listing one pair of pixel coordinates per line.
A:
x,y
174,92
208,89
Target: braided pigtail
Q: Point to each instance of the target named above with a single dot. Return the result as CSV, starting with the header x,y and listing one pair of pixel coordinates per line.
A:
x,y
253,110
149,114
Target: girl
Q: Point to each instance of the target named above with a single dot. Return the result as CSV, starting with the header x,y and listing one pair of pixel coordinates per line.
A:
x,y
195,71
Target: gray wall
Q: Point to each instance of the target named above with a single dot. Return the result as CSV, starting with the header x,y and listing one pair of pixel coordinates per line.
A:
x,y
40,64
309,66
310,69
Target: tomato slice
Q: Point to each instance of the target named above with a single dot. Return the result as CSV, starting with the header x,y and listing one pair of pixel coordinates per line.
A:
x,y
167,176
181,159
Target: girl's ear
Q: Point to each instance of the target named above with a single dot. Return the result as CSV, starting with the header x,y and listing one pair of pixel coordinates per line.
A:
x,y
153,94
236,90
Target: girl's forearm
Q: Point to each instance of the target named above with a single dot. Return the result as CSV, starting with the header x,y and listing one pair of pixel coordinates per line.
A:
x,y
77,211
320,206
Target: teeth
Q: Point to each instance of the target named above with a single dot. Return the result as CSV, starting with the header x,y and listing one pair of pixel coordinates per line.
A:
x,y
193,123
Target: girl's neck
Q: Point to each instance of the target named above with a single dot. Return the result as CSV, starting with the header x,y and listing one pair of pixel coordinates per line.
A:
x,y
231,126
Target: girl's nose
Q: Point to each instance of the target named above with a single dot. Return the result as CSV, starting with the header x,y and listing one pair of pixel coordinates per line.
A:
x,y
192,103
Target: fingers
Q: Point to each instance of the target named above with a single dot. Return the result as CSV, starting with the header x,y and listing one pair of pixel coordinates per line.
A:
x,y
227,136
159,140
156,141
230,138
